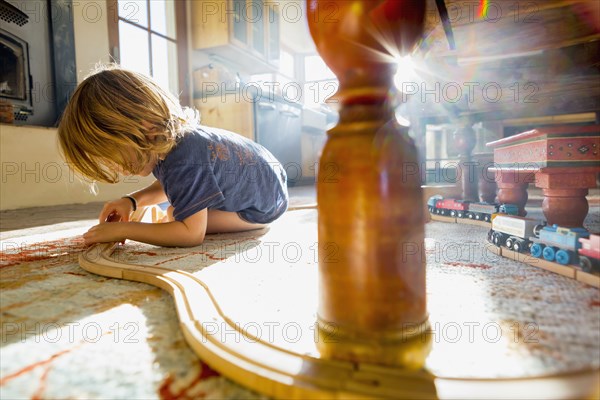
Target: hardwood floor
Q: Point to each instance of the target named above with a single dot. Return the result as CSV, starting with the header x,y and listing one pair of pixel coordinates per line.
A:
x,y
73,214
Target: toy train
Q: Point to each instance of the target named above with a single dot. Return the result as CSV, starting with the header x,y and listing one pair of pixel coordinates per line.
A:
x,y
552,243
466,209
589,253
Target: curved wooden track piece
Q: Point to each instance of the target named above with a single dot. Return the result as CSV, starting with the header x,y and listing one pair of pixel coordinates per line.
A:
x,y
279,372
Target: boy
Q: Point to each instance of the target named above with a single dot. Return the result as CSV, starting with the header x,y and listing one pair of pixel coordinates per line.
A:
x,y
120,121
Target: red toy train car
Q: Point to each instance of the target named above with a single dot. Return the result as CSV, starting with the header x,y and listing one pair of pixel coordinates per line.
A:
x,y
451,207
467,209
589,253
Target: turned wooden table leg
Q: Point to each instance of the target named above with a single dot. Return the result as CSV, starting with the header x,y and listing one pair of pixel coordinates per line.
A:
x,y
371,229
564,195
565,207
487,190
512,187
513,193
486,185
465,142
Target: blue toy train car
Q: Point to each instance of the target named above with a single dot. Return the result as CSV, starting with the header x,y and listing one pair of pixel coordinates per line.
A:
x,y
555,243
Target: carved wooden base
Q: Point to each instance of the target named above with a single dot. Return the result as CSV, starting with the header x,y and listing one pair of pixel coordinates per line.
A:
x,y
561,160
511,192
564,190
564,194
565,207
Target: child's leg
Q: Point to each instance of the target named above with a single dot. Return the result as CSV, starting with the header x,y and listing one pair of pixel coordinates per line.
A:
x,y
221,221
226,221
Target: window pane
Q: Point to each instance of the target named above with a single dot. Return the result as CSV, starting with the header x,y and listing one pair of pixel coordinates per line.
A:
x,y
239,21
316,69
133,45
162,17
287,64
135,11
255,15
164,63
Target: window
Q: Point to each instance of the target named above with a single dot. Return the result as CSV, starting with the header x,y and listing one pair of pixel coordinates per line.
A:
x,y
320,81
149,36
286,64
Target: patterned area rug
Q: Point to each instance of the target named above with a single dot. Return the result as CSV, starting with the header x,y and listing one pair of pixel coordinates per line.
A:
x,y
70,334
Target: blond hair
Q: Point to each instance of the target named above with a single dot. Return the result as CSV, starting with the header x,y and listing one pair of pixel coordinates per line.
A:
x,y
105,123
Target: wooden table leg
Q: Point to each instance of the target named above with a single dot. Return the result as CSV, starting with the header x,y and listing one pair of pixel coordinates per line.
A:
x,y
465,141
564,195
513,193
486,185
512,187
565,207
371,229
487,190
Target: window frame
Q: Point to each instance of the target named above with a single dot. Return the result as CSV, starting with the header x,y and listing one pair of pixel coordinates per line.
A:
x,y
181,43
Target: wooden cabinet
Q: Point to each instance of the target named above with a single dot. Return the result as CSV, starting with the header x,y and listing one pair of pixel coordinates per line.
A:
x,y
245,32
229,111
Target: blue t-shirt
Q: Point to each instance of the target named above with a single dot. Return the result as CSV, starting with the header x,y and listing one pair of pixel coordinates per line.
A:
x,y
217,169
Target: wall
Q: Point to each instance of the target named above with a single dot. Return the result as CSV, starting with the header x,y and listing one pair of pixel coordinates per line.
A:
x,y
90,22
34,174
32,171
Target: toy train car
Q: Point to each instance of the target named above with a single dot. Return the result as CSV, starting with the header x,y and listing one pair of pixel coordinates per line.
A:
x,y
513,232
589,253
484,211
451,207
467,209
555,243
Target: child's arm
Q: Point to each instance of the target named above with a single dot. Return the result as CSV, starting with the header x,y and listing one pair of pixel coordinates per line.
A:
x,y
189,232
150,195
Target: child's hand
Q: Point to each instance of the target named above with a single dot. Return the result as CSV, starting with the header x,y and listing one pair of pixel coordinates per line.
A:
x,y
105,232
121,207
